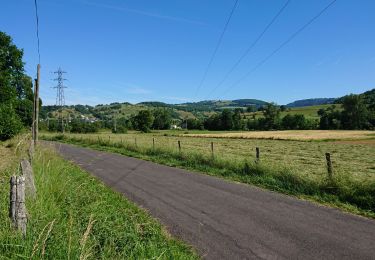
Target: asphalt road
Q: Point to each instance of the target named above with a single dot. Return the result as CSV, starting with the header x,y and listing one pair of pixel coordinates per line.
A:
x,y
225,220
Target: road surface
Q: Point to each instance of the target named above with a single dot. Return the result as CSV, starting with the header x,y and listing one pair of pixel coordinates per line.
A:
x,y
226,220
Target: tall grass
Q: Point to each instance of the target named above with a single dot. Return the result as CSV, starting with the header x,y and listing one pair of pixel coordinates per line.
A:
x,y
76,217
342,190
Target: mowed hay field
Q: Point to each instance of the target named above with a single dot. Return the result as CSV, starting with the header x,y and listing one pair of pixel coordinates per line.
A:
x,y
298,135
355,158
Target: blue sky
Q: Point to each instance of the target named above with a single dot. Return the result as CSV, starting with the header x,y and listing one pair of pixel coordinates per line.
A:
x,y
143,50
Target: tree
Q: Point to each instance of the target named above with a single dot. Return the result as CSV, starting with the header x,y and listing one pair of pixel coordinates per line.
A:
x,y
25,100
237,120
122,125
162,118
298,122
355,114
11,69
252,124
213,122
226,119
251,108
80,126
194,123
15,89
10,123
143,121
330,118
271,115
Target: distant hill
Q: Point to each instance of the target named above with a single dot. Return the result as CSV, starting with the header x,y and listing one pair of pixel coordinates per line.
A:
x,y
179,111
200,109
249,102
311,102
368,96
154,104
217,105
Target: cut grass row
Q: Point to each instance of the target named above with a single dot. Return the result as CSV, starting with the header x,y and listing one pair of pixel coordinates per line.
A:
x,y
296,135
76,217
342,191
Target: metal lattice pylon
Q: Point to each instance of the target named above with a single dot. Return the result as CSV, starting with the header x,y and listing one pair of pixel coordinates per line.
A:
x,y
60,98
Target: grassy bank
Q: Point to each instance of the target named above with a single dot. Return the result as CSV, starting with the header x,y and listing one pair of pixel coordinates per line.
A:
x,y
342,191
76,217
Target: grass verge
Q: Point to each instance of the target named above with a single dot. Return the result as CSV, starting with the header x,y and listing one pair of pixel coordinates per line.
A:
x,y
342,191
76,217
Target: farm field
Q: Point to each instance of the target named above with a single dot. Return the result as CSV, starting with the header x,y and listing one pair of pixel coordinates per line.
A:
x,y
353,158
297,135
310,112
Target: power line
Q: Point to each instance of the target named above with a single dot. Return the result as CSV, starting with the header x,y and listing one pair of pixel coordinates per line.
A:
x,y
295,34
247,51
37,26
217,47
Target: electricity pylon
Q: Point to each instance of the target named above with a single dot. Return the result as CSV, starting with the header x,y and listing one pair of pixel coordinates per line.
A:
x,y
60,98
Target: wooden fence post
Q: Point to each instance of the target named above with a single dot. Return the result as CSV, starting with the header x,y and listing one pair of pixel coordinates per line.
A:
x,y
153,143
27,172
257,155
329,166
21,217
135,141
13,198
212,149
179,146
31,151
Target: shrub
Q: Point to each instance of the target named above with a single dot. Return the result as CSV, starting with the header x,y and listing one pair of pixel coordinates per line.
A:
x,y
10,123
120,130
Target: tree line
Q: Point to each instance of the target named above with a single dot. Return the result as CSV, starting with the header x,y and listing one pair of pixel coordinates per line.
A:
x,y
144,120
357,112
354,113
270,119
16,95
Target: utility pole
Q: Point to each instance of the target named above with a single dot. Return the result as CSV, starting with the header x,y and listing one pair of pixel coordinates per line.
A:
x,y
60,98
33,122
37,104
35,125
